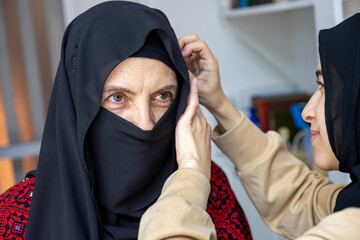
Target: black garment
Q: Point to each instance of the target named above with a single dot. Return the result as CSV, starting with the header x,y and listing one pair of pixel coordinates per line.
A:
x,y
340,62
66,202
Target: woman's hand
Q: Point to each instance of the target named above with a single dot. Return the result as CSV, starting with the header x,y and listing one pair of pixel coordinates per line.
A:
x,y
204,66
192,136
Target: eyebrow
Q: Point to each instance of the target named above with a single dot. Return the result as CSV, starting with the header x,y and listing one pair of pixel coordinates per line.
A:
x,y
113,88
166,88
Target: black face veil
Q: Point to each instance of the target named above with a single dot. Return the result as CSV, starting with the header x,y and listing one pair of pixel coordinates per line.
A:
x,y
339,49
65,202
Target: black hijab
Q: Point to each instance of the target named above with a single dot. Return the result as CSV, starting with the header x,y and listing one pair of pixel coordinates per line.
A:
x,y
72,196
339,49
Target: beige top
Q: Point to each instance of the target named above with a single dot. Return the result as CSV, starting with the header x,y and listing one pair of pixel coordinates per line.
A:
x,y
290,198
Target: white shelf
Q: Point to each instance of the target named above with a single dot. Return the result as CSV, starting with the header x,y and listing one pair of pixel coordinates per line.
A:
x,y
282,6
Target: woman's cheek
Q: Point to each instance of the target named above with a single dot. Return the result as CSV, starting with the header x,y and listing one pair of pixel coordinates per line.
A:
x,y
126,114
157,113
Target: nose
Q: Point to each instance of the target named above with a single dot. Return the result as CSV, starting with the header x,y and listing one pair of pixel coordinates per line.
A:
x,y
308,112
143,118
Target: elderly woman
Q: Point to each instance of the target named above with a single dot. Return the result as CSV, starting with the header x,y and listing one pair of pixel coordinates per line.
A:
x,y
293,201
109,141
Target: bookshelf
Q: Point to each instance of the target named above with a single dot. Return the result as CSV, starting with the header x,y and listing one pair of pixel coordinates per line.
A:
x,y
285,35
349,7
268,8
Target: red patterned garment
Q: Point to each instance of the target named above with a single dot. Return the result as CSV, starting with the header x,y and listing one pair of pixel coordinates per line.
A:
x,y
228,217
225,211
14,210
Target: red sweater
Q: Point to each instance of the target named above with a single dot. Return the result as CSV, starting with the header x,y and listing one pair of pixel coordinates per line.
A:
x,y
225,211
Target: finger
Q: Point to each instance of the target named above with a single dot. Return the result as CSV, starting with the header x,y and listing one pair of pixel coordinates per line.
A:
x,y
201,117
208,131
198,120
199,47
193,102
200,113
187,39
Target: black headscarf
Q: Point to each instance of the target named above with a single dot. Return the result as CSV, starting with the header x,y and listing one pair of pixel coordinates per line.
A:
x,y
70,200
339,49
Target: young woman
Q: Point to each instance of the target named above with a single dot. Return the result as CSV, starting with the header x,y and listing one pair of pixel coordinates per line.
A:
x,y
293,201
109,140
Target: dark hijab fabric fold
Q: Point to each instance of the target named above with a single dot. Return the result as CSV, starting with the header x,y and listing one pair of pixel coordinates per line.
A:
x,y
339,49
72,197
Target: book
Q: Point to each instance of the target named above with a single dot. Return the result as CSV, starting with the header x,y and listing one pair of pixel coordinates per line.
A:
x,y
273,111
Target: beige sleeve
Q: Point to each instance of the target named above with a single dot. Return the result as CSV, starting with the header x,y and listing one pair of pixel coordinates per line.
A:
x,y
180,211
290,198
337,226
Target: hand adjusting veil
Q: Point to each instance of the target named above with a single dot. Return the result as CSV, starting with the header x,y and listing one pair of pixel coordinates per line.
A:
x,y
339,49
71,198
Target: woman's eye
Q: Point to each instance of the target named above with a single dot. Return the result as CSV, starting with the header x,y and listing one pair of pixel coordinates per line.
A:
x,y
116,98
320,84
164,96
115,101
164,99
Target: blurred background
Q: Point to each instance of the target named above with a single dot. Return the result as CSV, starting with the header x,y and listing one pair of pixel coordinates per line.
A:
x,y
267,51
